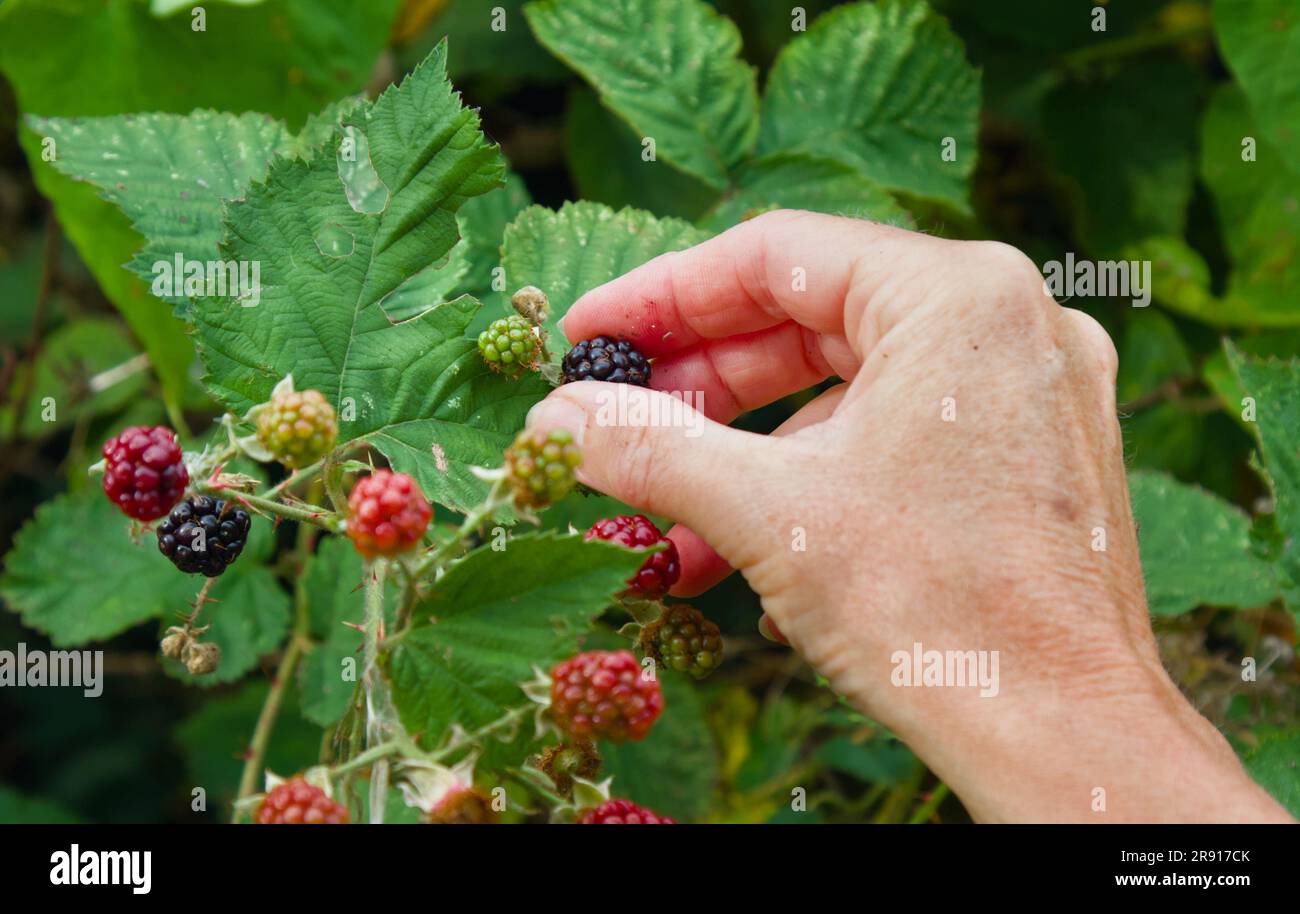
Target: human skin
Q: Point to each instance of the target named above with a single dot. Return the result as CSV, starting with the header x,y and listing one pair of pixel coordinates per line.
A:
x,y
949,492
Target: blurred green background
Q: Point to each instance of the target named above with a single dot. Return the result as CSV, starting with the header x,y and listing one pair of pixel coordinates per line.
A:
x,y
1089,142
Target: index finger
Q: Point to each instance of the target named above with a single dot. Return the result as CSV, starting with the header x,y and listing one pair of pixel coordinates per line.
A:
x,y
781,266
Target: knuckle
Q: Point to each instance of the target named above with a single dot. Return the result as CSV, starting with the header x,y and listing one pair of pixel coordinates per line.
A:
x,y
1010,272
635,472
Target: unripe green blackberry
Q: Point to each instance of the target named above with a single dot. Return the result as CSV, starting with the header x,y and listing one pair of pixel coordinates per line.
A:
x,y
511,346
298,427
541,468
682,639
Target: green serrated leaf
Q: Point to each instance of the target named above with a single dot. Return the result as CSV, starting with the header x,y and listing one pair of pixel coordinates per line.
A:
x,y
1196,548
609,165
54,578
1274,388
418,389
1275,764
670,68
569,252
804,181
879,86
250,621
491,618
1257,198
1260,40
169,174
64,58
483,222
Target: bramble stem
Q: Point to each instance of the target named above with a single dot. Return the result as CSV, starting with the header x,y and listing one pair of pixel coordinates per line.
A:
x,y
923,813
266,722
308,515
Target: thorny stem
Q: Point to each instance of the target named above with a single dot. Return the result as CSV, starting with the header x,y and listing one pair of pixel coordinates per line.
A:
x,y
311,514
376,699
473,520
926,809
266,722
298,642
199,602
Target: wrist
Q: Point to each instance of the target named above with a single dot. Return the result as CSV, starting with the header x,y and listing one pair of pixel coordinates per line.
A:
x,y
1141,754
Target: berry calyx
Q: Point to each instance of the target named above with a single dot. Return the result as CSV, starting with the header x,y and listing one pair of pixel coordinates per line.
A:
x,y
203,535
144,473
297,427
603,359
511,346
660,571
622,812
466,806
604,694
682,639
388,514
562,763
541,468
295,802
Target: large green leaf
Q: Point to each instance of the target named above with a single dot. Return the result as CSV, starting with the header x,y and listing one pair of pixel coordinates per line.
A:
x,y
569,252
1126,144
1274,386
1260,40
54,578
1258,204
1275,764
1196,548
170,173
416,389
880,86
609,166
670,68
66,58
804,181
494,616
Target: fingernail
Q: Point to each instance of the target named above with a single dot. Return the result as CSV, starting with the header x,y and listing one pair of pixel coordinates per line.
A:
x,y
767,628
558,412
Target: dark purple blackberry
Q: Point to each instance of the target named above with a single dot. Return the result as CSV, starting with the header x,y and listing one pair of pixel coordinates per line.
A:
x,y
202,535
603,359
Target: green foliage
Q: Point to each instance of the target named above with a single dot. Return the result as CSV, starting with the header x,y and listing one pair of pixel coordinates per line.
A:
x,y
671,69
570,252
54,577
493,617
388,232
880,87
69,58
1196,549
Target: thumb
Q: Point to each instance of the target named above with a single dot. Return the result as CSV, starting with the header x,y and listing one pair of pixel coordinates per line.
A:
x,y
660,455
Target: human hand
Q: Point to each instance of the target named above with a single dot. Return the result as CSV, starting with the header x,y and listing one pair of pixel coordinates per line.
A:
x,y
951,493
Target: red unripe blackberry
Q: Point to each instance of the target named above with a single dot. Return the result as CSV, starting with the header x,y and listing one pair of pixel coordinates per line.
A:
x,y
603,359
144,473
660,571
387,514
296,802
622,812
603,694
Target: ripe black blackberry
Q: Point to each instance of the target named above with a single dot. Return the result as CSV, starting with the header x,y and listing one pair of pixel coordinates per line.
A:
x,y
203,535
603,359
